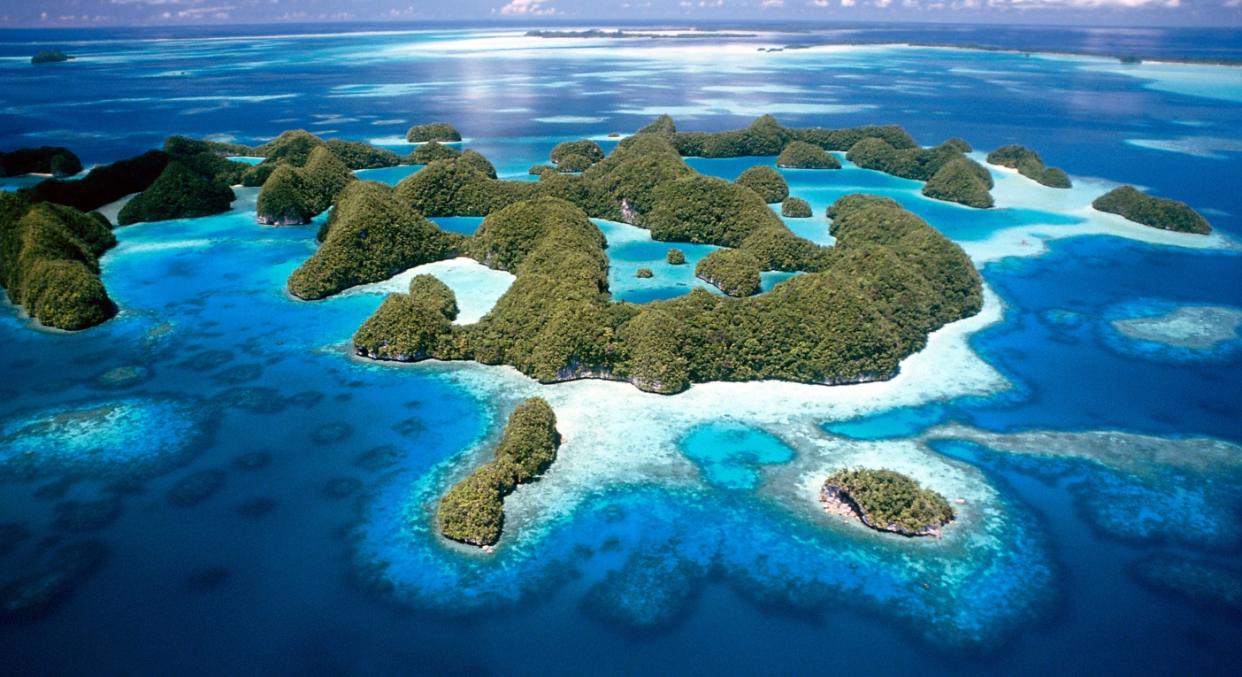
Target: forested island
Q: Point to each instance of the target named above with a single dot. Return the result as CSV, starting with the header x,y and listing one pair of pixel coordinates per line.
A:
x,y
473,510
49,261
49,56
55,160
885,500
861,307
1157,212
1029,164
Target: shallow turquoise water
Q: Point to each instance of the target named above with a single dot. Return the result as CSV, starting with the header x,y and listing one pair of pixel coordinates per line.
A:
x,y
314,553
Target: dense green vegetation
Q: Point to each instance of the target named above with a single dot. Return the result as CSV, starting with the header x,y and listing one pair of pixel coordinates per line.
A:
x,y
675,257
915,163
49,262
803,155
473,510
295,147
644,273
889,281
475,159
370,237
178,193
860,308
765,181
576,156
104,184
1157,212
294,195
49,56
358,155
796,208
209,158
411,327
430,152
435,131
949,174
573,164
889,501
1029,164
766,136
457,187
734,272
54,160
961,180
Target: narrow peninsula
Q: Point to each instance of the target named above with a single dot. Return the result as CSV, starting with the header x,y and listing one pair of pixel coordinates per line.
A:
x,y
473,511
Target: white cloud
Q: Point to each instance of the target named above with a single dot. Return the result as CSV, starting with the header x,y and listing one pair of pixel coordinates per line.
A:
x,y
527,7
769,4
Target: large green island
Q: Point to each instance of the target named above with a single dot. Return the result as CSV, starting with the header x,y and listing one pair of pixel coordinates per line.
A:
x,y
854,313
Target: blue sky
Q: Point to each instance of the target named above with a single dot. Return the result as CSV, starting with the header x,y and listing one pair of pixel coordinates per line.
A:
x,y
157,12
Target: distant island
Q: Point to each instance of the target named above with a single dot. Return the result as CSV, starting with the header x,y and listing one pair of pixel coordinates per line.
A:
x,y
620,34
50,56
885,500
1157,212
55,160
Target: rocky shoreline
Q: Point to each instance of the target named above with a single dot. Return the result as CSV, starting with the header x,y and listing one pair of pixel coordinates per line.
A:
x,y
837,501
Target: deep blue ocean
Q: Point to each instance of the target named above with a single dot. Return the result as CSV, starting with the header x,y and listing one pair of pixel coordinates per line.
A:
x,y
238,495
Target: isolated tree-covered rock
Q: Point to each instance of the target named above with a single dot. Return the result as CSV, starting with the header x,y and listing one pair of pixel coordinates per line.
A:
x,y
961,180
765,181
583,150
473,509
1157,212
434,131
295,195
796,208
803,155
1029,164
887,501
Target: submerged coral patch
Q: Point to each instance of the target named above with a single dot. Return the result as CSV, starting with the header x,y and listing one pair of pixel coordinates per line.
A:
x,y
1193,580
1128,487
139,437
731,454
1167,331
